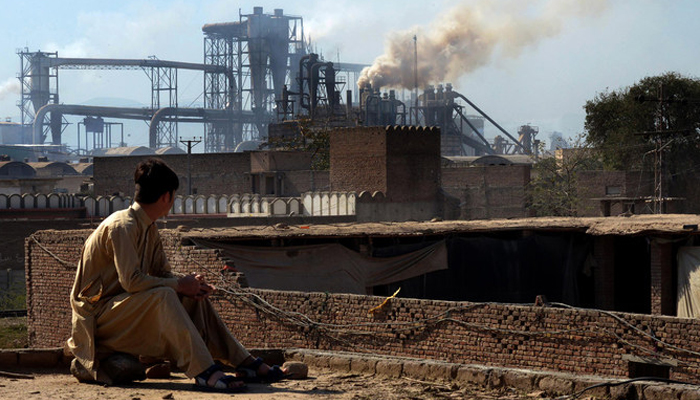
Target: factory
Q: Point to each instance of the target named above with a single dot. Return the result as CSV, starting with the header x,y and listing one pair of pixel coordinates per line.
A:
x,y
412,183
257,72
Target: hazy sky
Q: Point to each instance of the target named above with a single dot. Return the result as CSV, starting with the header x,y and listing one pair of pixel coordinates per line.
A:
x,y
545,60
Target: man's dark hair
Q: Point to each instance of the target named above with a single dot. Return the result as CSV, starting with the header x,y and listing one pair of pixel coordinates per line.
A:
x,y
153,178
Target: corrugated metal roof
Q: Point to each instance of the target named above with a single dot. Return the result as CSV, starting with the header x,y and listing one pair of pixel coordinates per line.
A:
x,y
123,151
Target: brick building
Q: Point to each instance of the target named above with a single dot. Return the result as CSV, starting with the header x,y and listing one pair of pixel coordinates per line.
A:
x,y
481,189
623,321
276,173
402,163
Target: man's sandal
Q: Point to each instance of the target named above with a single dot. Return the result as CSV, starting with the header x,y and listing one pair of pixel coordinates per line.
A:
x,y
223,385
249,373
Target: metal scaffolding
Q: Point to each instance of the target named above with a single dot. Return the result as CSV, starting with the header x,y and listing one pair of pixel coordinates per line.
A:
x,y
39,81
39,84
261,51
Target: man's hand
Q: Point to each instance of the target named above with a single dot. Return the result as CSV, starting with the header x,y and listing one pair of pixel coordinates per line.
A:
x,y
195,286
205,289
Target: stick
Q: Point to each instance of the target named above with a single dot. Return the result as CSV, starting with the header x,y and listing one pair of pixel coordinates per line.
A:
x,y
16,375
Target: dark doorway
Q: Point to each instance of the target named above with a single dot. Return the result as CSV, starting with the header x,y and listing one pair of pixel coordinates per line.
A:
x,y
632,275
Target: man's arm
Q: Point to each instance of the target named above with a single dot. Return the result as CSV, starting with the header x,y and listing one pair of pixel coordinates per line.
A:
x,y
128,263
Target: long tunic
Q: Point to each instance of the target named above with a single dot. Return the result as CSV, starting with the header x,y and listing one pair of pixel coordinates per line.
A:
x,y
124,299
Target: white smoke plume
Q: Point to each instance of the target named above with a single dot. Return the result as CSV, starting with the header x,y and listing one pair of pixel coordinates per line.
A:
x,y
469,36
10,87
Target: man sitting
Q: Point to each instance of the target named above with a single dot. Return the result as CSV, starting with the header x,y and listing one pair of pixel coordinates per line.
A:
x,y
126,300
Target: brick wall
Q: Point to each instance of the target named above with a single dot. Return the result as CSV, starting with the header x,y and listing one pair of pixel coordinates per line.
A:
x,y
482,192
218,173
604,272
594,184
358,159
298,182
264,161
662,298
51,258
413,164
541,338
401,162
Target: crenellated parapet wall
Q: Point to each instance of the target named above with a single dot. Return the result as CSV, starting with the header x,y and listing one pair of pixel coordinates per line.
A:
x,y
235,205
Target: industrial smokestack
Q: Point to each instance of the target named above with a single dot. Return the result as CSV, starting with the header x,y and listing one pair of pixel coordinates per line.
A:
x,y
470,36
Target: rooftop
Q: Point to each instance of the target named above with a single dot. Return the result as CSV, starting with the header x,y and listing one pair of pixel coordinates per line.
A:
x,y
669,224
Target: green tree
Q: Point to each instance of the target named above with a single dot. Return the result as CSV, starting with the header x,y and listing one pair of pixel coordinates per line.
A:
x,y
553,188
617,120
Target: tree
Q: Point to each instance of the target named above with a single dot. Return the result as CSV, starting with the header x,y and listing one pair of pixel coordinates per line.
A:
x,y
653,125
553,188
615,122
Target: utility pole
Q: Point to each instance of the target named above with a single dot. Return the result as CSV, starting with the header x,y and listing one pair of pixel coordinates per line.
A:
x,y
415,77
662,126
190,144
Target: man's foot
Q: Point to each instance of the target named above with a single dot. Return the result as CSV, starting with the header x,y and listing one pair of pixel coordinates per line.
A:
x,y
214,380
255,370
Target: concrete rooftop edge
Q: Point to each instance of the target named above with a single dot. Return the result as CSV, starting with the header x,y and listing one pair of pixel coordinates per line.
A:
x,y
552,383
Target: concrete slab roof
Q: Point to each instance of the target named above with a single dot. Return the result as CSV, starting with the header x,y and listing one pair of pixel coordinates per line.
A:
x,y
666,224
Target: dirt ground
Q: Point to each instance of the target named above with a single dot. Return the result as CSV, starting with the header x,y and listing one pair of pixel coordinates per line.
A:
x,y
321,384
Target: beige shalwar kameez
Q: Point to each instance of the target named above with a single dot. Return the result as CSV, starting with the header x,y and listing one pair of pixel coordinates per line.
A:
x,y
124,300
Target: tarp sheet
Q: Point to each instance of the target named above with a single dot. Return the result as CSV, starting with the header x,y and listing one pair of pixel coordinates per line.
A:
x,y
327,267
513,270
688,297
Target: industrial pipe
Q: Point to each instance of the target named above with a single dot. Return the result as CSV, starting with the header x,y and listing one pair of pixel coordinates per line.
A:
x,y
313,84
144,114
302,77
517,142
194,115
483,139
72,109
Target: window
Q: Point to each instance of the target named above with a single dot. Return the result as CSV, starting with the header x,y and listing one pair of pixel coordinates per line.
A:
x,y
613,190
269,185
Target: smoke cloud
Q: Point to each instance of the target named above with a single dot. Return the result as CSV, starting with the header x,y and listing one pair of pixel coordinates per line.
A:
x,y
10,87
469,36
